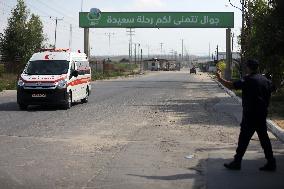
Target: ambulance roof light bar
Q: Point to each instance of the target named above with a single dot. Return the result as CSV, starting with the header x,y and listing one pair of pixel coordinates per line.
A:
x,y
54,50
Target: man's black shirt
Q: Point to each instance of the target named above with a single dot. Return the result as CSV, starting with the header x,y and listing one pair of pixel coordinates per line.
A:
x,y
256,93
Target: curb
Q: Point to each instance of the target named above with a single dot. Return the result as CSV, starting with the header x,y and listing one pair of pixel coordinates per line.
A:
x,y
273,127
6,91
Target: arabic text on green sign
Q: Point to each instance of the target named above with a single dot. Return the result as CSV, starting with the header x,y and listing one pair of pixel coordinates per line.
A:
x,y
157,20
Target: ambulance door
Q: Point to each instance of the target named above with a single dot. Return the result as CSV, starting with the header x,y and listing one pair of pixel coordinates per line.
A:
x,y
73,82
81,85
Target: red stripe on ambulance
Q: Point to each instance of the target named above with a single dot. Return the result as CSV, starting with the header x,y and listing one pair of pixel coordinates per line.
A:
x,y
79,81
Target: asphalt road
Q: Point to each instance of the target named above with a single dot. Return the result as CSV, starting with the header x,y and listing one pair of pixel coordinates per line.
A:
x,y
133,133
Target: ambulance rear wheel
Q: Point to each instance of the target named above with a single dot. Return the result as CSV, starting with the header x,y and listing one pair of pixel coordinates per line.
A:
x,y
86,99
69,101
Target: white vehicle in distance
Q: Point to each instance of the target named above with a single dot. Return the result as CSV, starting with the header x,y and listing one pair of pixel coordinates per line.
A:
x,y
54,77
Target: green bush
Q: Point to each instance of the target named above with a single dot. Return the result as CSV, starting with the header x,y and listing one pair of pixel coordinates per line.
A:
x,y
276,108
98,75
8,82
126,66
221,65
235,73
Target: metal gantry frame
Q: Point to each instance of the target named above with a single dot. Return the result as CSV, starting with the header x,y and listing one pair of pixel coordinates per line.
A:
x,y
185,23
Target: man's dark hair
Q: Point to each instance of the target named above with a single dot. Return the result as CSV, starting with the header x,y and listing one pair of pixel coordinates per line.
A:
x,y
252,65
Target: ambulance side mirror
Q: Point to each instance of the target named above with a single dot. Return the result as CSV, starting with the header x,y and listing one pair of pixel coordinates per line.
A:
x,y
75,73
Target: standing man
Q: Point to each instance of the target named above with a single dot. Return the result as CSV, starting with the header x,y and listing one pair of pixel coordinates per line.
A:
x,y
256,93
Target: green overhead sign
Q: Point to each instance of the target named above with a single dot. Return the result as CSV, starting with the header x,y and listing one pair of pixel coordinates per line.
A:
x,y
156,20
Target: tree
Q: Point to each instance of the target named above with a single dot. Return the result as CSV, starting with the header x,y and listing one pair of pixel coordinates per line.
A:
x,y
35,32
23,35
263,36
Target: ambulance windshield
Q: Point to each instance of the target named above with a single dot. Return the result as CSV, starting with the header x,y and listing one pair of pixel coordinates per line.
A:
x,y
47,67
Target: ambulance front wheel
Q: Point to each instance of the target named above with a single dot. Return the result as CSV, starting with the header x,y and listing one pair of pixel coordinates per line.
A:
x,y
23,106
69,101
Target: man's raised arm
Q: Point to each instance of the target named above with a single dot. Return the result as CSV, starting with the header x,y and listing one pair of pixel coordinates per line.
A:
x,y
226,83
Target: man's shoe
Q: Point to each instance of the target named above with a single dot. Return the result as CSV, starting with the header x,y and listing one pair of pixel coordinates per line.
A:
x,y
269,166
234,165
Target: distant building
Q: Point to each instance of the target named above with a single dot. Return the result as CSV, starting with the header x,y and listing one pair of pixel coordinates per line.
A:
x,y
235,55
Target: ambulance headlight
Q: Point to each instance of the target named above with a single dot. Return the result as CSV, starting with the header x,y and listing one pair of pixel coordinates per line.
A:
x,y
21,83
62,84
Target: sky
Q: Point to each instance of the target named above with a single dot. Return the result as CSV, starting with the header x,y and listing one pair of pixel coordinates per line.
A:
x,y
196,41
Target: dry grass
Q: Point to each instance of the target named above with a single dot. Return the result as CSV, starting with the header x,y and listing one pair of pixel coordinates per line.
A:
x,y
8,81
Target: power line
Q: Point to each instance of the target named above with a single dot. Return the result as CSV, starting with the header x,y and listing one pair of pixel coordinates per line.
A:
x,y
45,18
36,9
55,10
47,14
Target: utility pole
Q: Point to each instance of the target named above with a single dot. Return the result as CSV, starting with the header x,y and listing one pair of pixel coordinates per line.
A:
x,y
171,54
175,55
131,33
217,53
141,63
138,52
228,71
70,39
148,46
242,39
87,41
135,53
181,49
209,51
56,20
161,49
233,35
242,9
109,36
129,52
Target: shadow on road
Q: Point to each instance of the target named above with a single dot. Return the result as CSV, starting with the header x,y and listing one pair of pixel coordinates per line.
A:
x,y
168,177
249,177
13,106
161,81
216,176
9,106
202,111
205,111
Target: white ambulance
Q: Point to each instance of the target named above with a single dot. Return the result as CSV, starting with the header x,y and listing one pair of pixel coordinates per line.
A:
x,y
54,77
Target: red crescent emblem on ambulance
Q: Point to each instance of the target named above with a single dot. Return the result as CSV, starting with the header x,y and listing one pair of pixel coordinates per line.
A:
x,y
46,57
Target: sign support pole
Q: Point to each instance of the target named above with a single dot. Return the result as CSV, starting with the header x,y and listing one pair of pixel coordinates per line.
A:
x,y
86,42
228,71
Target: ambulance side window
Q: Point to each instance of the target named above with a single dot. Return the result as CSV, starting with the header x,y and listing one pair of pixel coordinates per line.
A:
x,y
72,66
72,69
